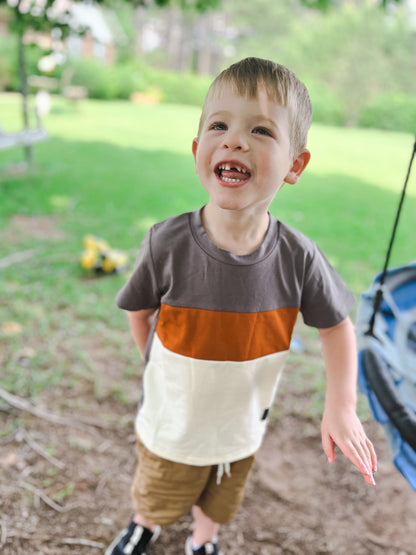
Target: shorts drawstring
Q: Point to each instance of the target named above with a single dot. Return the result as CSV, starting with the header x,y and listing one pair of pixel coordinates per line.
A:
x,y
223,468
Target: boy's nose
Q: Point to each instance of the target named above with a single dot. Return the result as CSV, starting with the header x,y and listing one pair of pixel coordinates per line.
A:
x,y
234,142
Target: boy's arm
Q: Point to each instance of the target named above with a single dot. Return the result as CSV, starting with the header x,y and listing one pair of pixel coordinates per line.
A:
x,y
140,324
340,423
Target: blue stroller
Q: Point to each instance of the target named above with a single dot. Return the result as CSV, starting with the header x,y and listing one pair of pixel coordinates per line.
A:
x,y
386,334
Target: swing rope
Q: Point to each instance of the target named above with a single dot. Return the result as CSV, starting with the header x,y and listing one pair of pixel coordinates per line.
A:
x,y
379,294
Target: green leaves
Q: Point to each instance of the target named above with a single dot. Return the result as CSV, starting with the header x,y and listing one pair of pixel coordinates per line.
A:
x,y
322,5
325,5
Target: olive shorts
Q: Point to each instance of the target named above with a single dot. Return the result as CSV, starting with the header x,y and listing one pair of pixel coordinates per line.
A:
x,y
164,491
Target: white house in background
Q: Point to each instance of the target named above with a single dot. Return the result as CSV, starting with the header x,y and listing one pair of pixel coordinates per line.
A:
x,y
101,35
103,32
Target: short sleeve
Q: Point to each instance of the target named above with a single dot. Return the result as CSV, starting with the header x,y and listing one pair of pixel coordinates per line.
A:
x,y
141,290
326,299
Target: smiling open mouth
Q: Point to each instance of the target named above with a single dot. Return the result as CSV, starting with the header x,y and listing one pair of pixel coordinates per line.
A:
x,y
233,174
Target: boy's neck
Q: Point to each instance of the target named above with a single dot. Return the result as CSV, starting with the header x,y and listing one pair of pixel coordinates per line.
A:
x,y
239,233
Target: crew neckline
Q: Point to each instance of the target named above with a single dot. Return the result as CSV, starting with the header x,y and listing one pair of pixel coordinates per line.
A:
x,y
204,241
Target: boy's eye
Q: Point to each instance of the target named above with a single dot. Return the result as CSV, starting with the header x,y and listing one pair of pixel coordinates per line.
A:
x,y
218,126
262,131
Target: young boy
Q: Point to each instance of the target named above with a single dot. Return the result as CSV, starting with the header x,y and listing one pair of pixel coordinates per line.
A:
x,y
212,303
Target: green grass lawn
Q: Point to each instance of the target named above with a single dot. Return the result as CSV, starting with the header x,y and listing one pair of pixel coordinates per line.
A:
x,y
112,169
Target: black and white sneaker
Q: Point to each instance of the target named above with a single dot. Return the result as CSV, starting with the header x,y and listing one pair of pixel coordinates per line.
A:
x,y
208,548
133,540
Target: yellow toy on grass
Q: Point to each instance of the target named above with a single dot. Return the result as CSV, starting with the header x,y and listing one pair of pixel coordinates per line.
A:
x,y
101,258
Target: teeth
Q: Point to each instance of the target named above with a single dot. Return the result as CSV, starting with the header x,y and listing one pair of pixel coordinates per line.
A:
x,y
228,167
229,180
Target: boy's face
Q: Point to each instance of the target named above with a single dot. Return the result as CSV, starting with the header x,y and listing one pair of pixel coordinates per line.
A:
x,y
242,155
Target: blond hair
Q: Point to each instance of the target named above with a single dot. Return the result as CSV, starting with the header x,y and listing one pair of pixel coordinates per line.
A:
x,y
282,86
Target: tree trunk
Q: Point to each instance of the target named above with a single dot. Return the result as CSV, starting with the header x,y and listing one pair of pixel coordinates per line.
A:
x,y
23,91
203,44
174,38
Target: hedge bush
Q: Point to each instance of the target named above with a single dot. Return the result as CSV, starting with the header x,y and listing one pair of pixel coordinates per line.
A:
x,y
393,112
100,81
178,88
327,107
121,80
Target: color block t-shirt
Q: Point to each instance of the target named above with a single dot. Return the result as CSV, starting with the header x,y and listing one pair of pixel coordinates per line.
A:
x,y
222,333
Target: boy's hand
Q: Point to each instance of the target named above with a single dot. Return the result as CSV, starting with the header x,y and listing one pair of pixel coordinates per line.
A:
x,y
341,427
340,423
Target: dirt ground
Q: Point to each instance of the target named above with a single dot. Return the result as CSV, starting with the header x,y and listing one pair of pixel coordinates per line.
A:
x,y
65,485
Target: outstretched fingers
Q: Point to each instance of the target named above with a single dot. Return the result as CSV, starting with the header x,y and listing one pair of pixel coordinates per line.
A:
x,y
329,447
362,455
344,429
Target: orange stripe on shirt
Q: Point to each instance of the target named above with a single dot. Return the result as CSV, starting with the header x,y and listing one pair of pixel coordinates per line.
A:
x,y
215,335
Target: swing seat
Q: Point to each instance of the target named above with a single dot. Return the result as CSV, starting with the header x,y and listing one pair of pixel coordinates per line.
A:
x,y
387,362
23,138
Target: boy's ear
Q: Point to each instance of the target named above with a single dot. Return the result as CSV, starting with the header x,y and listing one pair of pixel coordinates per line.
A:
x,y
194,147
299,164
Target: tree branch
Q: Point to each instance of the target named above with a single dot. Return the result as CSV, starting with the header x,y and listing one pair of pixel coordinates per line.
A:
x,y
80,423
